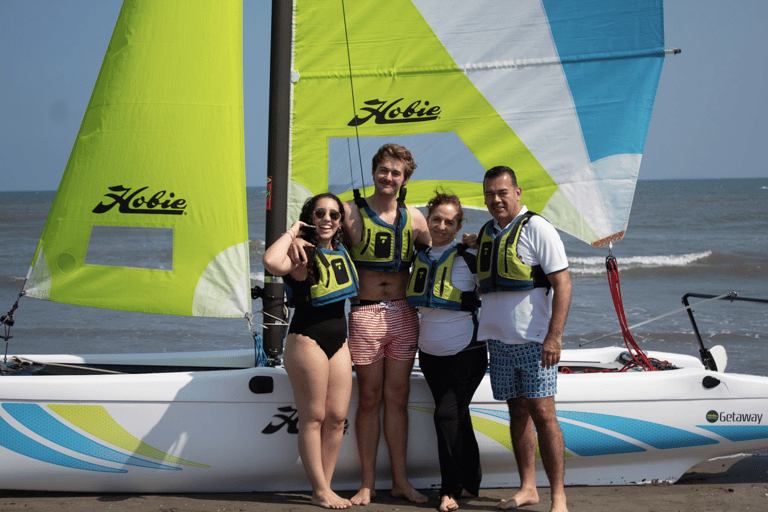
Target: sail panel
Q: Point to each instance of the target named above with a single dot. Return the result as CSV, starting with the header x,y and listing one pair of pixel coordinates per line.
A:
x,y
160,146
562,92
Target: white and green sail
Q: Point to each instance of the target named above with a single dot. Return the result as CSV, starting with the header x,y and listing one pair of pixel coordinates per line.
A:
x,y
560,91
159,157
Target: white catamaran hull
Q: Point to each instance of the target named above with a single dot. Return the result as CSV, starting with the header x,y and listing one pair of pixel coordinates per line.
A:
x,y
235,429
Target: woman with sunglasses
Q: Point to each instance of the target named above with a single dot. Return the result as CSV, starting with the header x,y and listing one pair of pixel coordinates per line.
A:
x,y
316,354
443,288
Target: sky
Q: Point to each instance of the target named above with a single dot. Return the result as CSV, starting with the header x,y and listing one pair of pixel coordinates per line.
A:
x,y
710,119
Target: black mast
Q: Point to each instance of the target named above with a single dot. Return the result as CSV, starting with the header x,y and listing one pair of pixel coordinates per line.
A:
x,y
277,166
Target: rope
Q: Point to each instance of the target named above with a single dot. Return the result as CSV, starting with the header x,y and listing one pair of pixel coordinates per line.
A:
x,y
260,356
638,356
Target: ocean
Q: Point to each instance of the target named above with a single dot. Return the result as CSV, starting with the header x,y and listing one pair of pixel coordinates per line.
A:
x,y
684,236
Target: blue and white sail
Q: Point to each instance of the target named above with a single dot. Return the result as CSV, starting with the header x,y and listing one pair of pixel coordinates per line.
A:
x,y
562,92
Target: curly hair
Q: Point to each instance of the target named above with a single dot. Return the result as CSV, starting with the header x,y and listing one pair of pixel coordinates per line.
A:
x,y
312,237
398,152
443,198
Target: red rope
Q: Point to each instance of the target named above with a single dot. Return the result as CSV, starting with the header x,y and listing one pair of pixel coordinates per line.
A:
x,y
634,349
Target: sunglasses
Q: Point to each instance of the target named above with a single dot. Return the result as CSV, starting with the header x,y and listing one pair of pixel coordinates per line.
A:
x,y
320,214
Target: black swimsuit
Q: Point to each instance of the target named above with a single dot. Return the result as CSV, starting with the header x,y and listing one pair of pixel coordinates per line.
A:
x,y
327,325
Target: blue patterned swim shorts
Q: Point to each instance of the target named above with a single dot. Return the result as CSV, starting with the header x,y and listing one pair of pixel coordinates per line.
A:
x,y
516,371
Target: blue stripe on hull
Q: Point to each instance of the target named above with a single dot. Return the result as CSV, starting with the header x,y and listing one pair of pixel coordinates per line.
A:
x,y
659,436
586,442
738,433
15,441
43,424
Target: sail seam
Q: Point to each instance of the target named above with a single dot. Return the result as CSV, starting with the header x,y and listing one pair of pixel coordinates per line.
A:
x,y
550,61
481,66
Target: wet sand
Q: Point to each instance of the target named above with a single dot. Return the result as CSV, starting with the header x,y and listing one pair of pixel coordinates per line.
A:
x,y
736,483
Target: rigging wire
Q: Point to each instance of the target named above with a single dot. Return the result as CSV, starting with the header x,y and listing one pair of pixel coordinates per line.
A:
x,y
354,107
719,297
7,321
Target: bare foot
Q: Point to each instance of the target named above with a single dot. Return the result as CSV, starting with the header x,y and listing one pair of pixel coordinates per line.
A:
x,y
364,496
466,494
330,500
408,493
559,506
447,503
520,499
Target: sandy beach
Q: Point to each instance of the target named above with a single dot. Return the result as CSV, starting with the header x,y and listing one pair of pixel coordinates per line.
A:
x,y
737,483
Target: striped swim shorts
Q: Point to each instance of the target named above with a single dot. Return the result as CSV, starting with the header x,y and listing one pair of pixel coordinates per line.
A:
x,y
516,371
383,329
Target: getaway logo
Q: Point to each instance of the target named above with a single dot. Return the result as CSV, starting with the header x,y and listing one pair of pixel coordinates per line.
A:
x,y
734,417
387,113
132,202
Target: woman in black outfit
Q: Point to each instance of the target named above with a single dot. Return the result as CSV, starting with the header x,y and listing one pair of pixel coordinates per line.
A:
x,y
316,354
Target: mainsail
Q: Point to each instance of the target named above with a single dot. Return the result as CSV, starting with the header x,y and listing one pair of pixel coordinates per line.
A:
x,y
159,157
560,91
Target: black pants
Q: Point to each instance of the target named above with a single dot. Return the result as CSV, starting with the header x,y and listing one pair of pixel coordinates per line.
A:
x,y
453,381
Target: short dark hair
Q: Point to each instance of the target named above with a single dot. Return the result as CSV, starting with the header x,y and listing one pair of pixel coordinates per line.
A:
x,y
498,171
443,198
398,152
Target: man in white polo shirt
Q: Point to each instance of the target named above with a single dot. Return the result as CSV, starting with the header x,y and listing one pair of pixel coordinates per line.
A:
x,y
523,273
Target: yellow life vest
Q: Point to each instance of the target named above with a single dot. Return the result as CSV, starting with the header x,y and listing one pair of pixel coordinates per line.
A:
x,y
498,267
336,279
384,247
430,284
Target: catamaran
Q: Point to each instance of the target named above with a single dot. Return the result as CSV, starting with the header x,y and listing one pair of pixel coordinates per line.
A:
x,y
561,91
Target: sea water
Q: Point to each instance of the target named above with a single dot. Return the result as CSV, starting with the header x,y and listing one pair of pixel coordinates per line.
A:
x,y
699,236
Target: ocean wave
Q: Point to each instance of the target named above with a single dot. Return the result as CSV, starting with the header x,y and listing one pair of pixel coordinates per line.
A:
x,y
593,265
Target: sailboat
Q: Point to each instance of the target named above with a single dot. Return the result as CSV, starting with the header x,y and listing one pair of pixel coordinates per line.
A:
x,y
561,91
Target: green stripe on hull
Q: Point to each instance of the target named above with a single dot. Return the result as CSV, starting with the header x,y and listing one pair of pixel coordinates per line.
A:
x,y
95,420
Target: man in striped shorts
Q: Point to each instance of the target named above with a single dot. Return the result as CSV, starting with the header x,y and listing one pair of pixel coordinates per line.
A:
x,y
383,329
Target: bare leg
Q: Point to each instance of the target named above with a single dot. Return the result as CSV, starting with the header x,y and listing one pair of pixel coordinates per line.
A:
x,y
551,446
308,369
397,385
337,404
524,445
370,381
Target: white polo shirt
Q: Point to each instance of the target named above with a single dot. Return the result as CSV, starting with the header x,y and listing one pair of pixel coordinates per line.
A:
x,y
521,317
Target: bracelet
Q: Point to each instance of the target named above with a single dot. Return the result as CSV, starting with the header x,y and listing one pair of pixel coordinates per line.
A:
x,y
289,232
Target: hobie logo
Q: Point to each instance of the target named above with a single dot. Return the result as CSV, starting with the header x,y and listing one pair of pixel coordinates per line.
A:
x,y
137,202
393,112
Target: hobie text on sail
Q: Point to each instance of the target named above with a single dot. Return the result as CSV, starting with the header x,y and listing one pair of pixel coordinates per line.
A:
x,y
132,202
387,113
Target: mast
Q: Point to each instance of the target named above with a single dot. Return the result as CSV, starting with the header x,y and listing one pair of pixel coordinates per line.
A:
x,y
277,166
